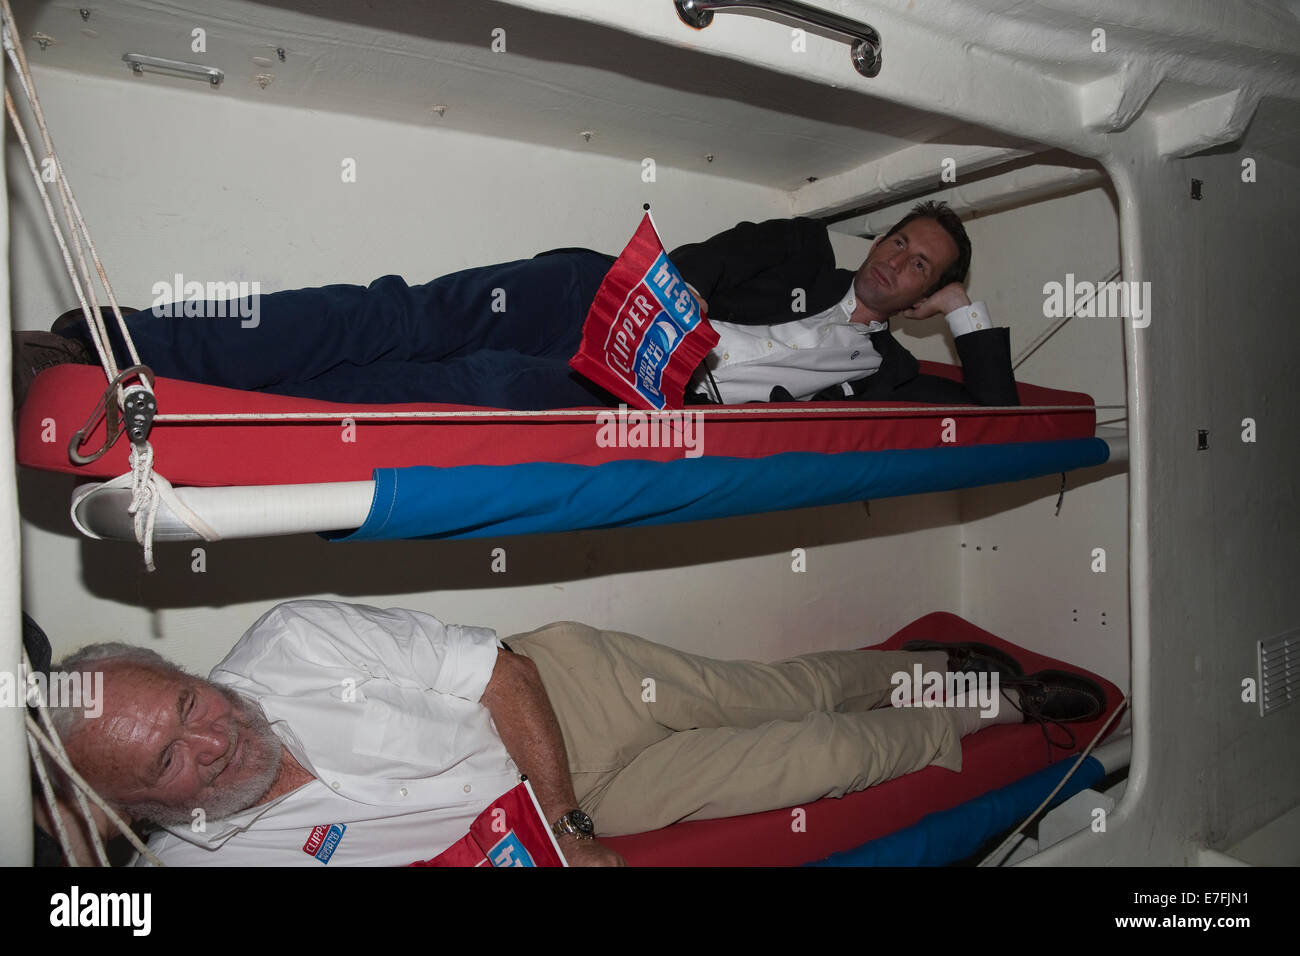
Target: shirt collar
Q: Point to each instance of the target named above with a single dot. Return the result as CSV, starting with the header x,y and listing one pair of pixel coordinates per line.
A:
x,y
218,832
847,305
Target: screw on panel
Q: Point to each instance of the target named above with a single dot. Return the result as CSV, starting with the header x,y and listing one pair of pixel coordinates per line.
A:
x,y
85,14
1196,189
587,135
43,40
708,157
1202,439
279,51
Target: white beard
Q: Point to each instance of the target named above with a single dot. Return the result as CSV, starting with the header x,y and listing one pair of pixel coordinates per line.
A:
x,y
263,753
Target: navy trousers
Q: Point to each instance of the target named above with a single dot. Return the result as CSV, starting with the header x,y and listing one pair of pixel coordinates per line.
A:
x,y
498,336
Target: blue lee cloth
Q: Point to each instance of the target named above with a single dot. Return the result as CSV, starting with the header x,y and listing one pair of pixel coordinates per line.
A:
x,y
474,501
952,835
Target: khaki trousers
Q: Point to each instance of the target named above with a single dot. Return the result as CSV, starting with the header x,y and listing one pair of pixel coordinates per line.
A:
x,y
655,735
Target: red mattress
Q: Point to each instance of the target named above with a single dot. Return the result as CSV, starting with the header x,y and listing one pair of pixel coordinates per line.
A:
x,y
306,452
991,758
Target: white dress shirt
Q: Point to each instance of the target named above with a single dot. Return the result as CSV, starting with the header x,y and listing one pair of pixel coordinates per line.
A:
x,y
382,707
804,355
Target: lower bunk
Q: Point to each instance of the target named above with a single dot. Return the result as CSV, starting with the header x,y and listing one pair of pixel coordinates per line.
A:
x,y
991,759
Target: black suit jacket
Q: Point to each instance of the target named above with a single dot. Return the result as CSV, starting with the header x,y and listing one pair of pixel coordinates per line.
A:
x,y
748,273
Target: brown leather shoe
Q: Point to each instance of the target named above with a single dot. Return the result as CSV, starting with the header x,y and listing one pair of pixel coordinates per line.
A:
x,y
34,352
73,316
1058,698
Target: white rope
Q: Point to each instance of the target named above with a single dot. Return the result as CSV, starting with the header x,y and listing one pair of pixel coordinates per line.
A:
x,y
1032,347
144,500
51,801
79,274
145,484
101,343
1055,790
710,412
71,211
54,751
149,490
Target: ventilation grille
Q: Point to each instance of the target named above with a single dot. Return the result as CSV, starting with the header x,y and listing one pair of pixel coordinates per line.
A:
x,y
1279,671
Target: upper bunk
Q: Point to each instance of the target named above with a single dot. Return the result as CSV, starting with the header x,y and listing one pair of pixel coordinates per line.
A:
x,y
262,464
768,101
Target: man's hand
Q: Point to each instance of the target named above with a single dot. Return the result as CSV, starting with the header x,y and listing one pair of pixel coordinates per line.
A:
x,y
699,299
588,853
948,299
531,733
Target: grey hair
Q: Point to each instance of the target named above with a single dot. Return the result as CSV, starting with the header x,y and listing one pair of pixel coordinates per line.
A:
x,y
93,657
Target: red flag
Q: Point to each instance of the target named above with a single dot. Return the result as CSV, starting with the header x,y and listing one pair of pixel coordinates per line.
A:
x,y
510,832
644,335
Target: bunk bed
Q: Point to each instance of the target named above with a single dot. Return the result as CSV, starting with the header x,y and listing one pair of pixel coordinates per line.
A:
x,y
255,464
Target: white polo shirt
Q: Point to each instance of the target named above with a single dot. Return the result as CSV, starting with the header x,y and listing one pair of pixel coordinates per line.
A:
x,y
382,707
804,355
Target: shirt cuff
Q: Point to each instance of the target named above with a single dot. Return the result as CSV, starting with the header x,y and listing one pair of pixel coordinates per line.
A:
x,y
969,318
471,657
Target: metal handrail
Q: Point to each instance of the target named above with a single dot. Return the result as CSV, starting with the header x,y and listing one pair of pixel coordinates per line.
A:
x,y
138,61
866,41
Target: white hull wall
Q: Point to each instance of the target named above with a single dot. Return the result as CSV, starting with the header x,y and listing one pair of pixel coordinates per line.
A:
x,y
1026,570
1214,546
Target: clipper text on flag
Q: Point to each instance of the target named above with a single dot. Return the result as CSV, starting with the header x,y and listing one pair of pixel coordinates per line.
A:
x,y
644,335
661,300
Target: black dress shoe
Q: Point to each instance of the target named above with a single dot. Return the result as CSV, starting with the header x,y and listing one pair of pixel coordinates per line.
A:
x,y
970,656
1056,697
34,352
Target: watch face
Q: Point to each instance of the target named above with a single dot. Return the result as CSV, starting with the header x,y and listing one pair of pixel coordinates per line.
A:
x,y
581,822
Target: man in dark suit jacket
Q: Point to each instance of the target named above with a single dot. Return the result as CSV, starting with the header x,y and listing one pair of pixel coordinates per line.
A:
x,y
502,335
782,271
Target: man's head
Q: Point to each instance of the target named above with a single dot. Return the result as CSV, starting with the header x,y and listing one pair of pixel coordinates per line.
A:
x,y
925,250
167,743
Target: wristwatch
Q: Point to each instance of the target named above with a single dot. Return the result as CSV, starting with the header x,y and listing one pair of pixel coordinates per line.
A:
x,y
575,823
